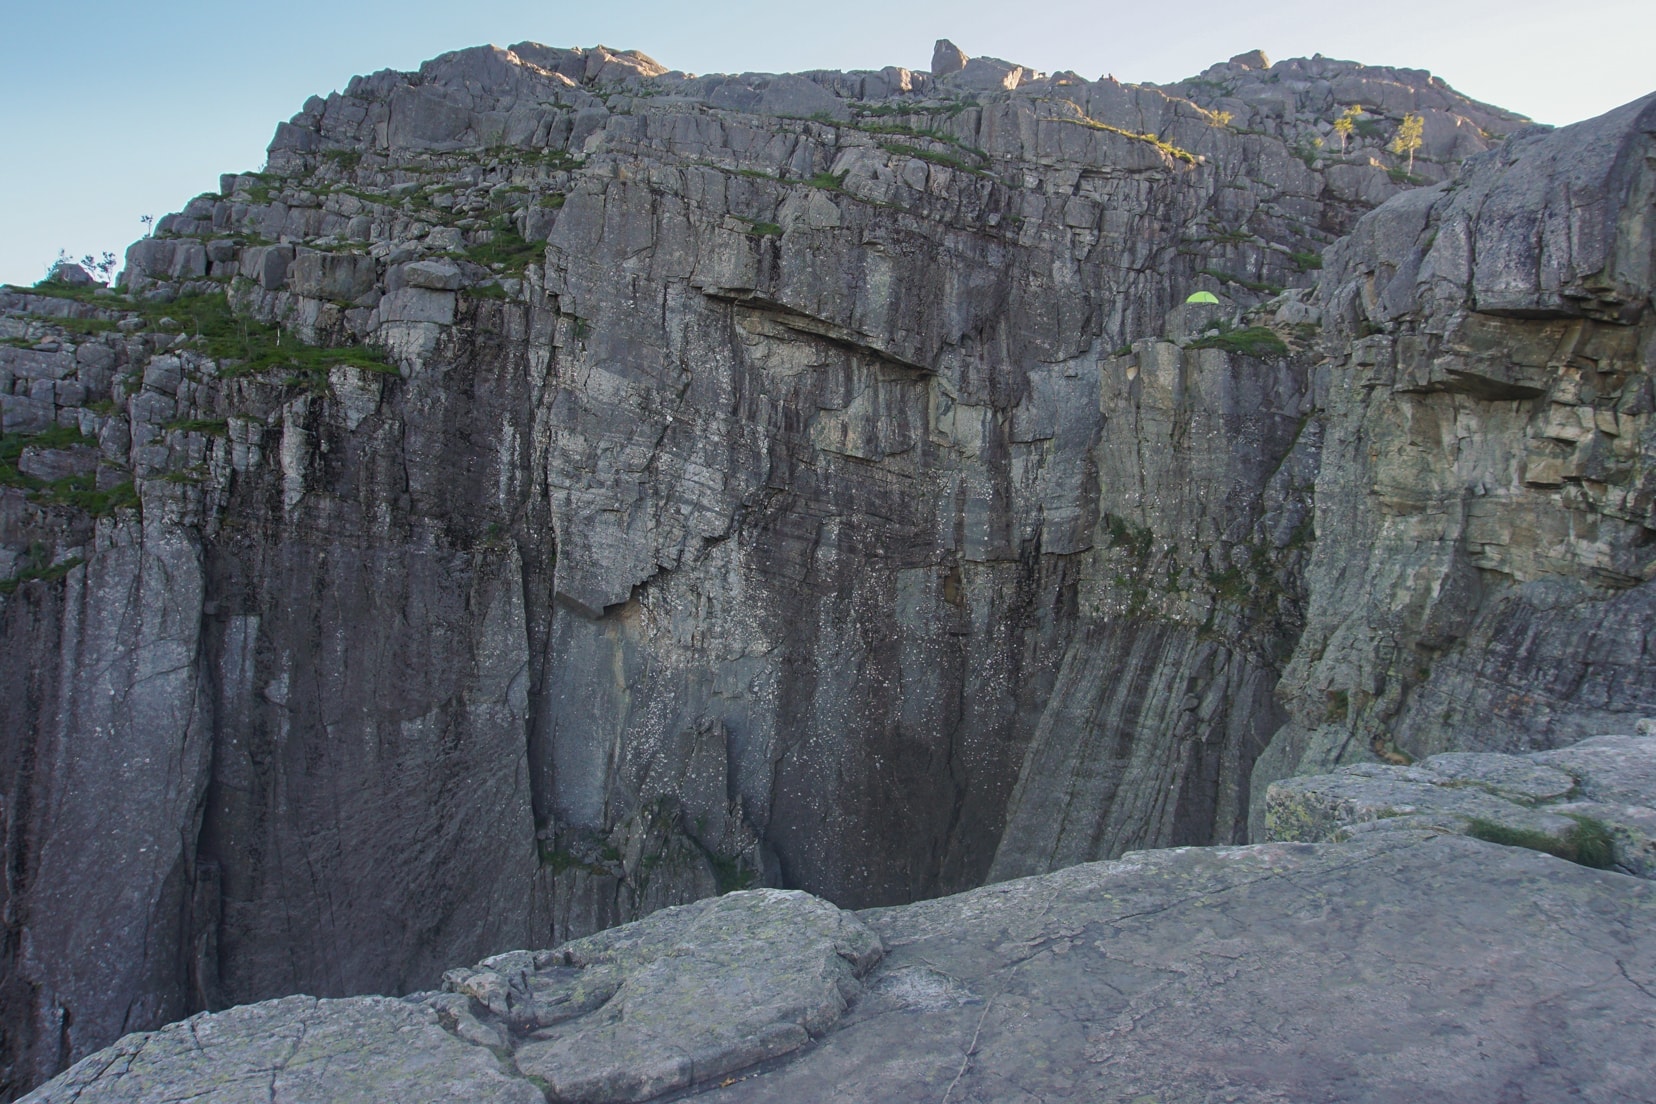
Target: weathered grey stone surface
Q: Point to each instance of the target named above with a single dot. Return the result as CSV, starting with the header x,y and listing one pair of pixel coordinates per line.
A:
x,y
690,995
1399,967
1606,784
797,480
296,1049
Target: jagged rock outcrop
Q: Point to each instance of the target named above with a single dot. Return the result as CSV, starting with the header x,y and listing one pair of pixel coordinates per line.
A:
x,y
1402,963
1482,578
559,488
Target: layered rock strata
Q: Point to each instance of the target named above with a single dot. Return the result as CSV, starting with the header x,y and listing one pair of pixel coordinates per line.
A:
x,y
559,488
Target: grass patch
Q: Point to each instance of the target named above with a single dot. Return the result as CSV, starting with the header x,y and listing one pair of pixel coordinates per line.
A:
x,y
1586,844
833,182
506,249
344,159
81,492
936,157
77,491
1136,539
763,229
1147,136
1253,341
486,291
1305,262
1242,281
256,346
553,201
40,574
78,326
213,427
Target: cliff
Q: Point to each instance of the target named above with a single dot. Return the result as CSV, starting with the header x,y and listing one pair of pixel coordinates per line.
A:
x,y
558,488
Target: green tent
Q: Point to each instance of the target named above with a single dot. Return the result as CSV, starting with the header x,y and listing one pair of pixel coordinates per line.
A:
x,y
1203,297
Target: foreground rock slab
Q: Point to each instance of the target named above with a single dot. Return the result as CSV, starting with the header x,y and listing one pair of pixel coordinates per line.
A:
x,y
293,1049
628,1014
1398,966
1403,967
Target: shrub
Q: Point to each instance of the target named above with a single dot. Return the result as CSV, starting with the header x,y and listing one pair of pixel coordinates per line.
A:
x,y
1254,341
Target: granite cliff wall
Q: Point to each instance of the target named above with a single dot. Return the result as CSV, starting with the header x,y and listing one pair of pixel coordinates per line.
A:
x,y
803,480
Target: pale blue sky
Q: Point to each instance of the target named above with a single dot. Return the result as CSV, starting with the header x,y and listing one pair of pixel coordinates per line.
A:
x,y
117,108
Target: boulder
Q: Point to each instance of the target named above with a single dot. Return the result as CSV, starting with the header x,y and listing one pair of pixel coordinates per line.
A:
x,y
947,58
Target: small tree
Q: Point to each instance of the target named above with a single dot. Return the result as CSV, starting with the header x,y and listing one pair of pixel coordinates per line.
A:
x,y
1346,123
102,269
148,223
1408,137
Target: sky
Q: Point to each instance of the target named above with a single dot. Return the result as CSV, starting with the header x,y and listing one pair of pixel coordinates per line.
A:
x,y
114,109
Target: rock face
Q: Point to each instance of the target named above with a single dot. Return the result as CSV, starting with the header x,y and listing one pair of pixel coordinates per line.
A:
x,y
1482,574
559,488
1400,966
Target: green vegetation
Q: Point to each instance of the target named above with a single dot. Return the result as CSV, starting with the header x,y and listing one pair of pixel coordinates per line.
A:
x,y
1337,707
245,345
13,444
1346,124
936,157
345,159
77,491
48,573
553,200
560,861
763,229
833,182
1307,261
256,346
1136,540
1587,844
212,427
1408,137
1242,281
1155,140
730,874
95,294
506,250
487,291
557,159
1253,341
